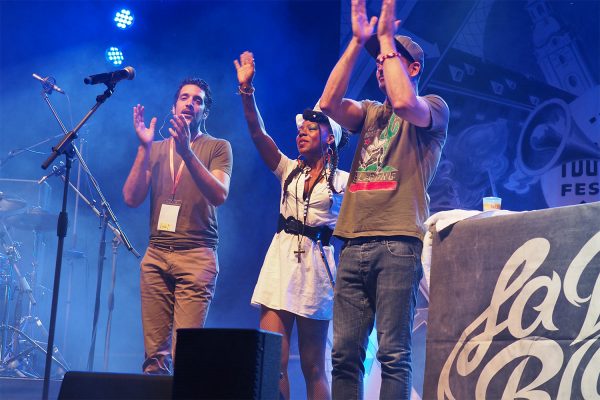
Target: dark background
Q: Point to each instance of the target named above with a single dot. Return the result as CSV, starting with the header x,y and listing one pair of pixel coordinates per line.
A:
x,y
485,58
295,45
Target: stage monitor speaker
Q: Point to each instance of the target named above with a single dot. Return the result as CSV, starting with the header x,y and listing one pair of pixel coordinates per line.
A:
x,y
227,364
111,386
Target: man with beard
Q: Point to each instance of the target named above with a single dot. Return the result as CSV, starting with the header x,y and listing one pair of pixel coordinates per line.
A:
x,y
188,176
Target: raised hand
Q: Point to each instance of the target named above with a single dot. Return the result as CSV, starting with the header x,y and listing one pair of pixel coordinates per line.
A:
x,y
145,134
180,131
388,25
245,68
362,27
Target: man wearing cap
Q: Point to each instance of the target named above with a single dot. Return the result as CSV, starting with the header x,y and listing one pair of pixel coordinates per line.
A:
x,y
386,203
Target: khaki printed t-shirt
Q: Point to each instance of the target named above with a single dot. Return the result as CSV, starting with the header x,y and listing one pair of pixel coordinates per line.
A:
x,y
394,163
197,220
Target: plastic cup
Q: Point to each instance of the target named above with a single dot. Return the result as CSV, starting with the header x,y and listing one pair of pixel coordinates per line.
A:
x,y
492,203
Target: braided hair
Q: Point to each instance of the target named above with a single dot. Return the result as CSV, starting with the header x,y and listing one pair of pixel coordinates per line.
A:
x,y
334,159
290,178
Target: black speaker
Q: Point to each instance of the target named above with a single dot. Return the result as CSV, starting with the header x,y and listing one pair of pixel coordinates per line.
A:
x,y
227,364
110,386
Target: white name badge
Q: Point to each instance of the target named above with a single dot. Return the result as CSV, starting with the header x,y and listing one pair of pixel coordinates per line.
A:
x,y
167,219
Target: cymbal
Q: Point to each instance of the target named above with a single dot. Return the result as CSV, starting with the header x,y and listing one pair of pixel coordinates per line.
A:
x,y
11,203
34,219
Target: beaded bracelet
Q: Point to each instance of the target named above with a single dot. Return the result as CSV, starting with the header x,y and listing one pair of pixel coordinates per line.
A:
x,y
384,57
248,90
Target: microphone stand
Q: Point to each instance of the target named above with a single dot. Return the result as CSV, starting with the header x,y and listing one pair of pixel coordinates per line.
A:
x,y
66,147
101,255
111,301
15,152
98,213
118,239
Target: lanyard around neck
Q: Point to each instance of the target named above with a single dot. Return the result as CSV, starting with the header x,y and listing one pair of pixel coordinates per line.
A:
x,y
176,178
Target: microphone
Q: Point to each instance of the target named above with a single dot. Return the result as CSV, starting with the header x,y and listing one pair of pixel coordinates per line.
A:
x,y
48,82
111,77
55,171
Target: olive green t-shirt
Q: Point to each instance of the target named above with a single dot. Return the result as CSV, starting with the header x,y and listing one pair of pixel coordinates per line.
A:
x,y
394,163
197,219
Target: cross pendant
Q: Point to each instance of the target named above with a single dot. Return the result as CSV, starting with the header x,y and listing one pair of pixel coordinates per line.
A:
x,y
299,252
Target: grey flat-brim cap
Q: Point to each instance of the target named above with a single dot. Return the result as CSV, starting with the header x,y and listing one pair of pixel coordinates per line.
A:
x,y
404,45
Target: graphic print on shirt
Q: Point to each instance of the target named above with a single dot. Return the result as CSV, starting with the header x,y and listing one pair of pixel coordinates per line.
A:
x,y
372,172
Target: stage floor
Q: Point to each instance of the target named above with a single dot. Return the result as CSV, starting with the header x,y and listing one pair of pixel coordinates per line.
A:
x,y
26,388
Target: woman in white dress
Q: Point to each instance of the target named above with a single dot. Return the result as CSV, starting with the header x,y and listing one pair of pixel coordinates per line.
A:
x,y
297,277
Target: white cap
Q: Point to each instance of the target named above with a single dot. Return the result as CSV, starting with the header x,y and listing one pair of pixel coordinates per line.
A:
x,y
336,129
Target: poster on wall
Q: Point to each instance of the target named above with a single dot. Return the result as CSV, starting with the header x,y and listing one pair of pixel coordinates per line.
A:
x,y
522,82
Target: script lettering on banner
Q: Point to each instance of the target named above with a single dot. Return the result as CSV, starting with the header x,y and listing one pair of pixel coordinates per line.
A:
x,y
520,279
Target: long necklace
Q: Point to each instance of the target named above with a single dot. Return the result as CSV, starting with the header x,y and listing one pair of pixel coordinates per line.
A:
x,y
306,199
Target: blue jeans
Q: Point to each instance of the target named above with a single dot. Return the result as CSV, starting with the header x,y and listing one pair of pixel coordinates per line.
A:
x,y
376,276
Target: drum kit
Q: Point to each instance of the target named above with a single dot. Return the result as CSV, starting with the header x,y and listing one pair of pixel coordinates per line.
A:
x,y
22,333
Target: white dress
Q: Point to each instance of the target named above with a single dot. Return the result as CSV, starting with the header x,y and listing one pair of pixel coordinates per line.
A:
x,y
284,284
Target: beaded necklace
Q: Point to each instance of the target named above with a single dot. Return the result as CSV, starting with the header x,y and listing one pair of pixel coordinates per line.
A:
x,y
306,200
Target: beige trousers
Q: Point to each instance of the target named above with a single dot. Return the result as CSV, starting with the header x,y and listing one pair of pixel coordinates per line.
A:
x,y
177,288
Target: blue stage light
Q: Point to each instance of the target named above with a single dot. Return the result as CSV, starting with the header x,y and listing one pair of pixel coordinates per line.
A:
x,y
114,56
124,18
